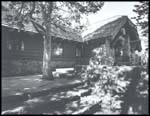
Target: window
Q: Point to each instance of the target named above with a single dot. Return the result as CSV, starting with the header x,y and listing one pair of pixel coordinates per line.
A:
x,y
9,45
119,52
78,52
123,31
15,45
57,49
22,46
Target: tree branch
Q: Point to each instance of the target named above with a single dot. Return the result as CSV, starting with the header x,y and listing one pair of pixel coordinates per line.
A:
x,y
38,27
32,10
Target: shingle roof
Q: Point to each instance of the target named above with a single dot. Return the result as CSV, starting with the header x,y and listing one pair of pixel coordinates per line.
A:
x,y
64,32
105,28
109,29
57,32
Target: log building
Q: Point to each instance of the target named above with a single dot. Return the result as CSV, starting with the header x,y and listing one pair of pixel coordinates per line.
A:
x,y
22,50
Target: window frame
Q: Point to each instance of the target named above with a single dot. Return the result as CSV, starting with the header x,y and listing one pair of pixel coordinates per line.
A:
x,y
78,52
56,47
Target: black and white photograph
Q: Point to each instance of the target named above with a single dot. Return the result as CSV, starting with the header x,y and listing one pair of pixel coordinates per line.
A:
x,y
74,57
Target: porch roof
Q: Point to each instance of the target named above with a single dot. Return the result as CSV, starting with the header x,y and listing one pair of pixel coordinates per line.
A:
x,y
103,29
62,32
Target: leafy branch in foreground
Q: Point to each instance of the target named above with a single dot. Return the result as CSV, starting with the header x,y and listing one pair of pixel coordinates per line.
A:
x,y
142,11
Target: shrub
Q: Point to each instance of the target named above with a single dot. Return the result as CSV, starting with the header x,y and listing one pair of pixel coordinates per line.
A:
x,y
101,57
115,81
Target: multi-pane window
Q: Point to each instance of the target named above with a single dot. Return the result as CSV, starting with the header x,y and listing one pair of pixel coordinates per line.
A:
x,y
15,45
57,49
22,46
123,31
78,51
9,45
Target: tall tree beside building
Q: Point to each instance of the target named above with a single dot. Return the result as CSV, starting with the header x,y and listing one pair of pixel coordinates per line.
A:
x,y
142,11
44,15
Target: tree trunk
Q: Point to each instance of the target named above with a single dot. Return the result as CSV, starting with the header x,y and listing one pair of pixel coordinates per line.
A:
x,y
47,68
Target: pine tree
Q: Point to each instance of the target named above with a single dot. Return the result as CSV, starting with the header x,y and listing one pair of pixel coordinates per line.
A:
x,y
142,11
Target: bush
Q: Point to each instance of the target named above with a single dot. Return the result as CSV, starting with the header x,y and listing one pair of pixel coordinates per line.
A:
x,y
116,82
101,57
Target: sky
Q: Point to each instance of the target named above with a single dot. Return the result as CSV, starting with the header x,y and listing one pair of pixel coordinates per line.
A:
x,y
111,9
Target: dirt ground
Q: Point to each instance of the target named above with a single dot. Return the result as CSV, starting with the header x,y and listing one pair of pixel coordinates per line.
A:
x,y
21,84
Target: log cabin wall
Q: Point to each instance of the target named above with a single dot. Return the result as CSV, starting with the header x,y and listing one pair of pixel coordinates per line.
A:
x,y
69,56
110,50
122,43
21,45
24,50
22,53
92,44
135,43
